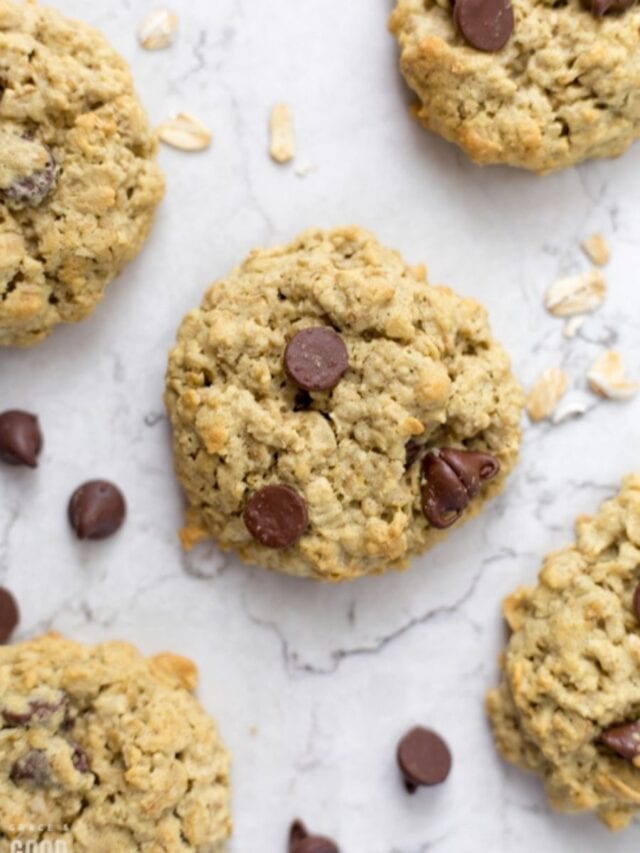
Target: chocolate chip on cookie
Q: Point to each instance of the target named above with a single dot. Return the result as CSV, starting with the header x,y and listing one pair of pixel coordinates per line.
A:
x,y
20,438
412,451
38,712
316,358
96,510
9,614
31,190
80,759
33,768
276,516
300,841
423,758
625,740
599,8
636,601
485,24
452,478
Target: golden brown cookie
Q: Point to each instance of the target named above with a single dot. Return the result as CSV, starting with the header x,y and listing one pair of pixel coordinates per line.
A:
x,y
333,412
561,88
78,178
107,751
568,707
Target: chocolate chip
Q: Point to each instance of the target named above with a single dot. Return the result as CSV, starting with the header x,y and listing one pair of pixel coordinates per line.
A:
x,y
423,758
452,478
636,601
485,24
33,189
39,712
316,358
33,768
20,438
302,401
625,740
96,510
9,614
276,516
412,451
80,759
300,841
599,8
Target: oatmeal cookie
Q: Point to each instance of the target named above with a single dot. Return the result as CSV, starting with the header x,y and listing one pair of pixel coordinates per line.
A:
x,y
532,83
78,178
333,413
568,707
107,751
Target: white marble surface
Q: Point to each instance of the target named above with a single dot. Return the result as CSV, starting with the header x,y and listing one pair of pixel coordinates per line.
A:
x,y
312,685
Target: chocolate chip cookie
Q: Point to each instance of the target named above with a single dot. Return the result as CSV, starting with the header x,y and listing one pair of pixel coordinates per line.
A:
x,y
78,178
530,83
568,707
333,413
107,751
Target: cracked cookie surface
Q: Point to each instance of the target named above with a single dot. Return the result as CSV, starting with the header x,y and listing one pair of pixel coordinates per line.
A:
x,y
108,751
563,89
571,670
423,373
78,178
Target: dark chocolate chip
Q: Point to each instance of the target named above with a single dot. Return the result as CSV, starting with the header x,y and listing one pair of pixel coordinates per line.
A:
x,y
39,712
9,614
300,841
276,516
33,768
625,740
302,401
485,24
96,510
636,601
423,758
599,8
452,478
412,450
20,438
33,189
316,358
80,759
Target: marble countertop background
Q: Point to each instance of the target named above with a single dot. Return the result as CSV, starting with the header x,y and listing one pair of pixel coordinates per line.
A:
x,y
313,685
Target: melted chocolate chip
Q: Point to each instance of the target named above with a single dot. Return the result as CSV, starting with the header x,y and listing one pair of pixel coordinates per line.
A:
x,y
33,189
9,614
276,516
423,758
33,768
485,24
452,478
316,358
625,740
412,451
96,510
300,841
39,712
20,438
600,8
80,759
636,601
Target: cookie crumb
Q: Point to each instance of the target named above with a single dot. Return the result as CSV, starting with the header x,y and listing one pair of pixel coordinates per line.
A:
x,y
158,30
575,405
185,132
596,249
576,294
283,145
573,325
546,393
606,377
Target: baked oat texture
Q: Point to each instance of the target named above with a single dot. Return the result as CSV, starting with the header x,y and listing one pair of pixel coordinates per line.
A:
x,y
119,756
572,666
565,88
423,365
65,93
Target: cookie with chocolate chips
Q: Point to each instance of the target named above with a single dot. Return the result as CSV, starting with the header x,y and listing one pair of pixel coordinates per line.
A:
x,y
537,84
111,748
78,180
333,412
568,706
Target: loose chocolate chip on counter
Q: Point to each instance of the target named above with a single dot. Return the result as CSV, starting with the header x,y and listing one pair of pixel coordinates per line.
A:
x,y
599,8
485,24
316,358
452,478
33,768
300,841
412,451
625,740
20,438
276,516
636,601
96,510
9,614
423,758
33,189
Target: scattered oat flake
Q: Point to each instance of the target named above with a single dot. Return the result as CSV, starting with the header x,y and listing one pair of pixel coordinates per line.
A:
x,y
574,405
576,294
573,325
596,249
305,169
158,30
606,377
283,146
185,132
546,393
